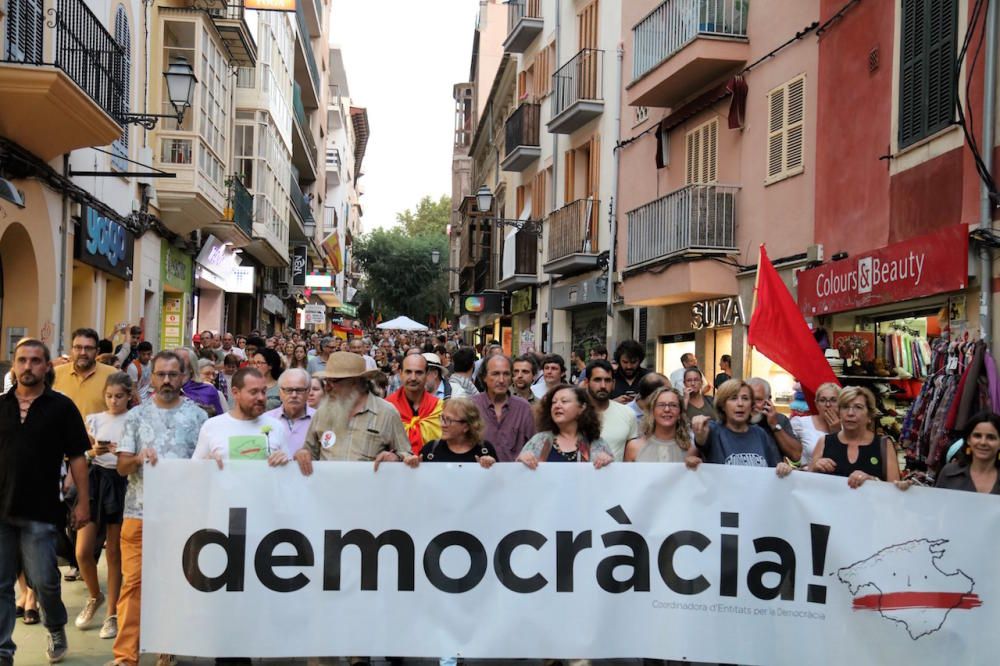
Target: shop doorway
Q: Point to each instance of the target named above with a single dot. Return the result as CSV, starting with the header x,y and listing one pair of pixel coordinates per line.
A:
x,y
671,348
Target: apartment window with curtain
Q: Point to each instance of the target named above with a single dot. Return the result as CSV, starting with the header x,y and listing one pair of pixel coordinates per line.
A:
x,y
786,130
123,37
702,151
927,53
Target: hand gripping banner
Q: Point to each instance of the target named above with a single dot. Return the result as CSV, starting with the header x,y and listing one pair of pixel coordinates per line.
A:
x,y
728,565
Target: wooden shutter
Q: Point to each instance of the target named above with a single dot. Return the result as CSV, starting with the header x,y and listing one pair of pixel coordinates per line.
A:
x,y
519,200
569,181
785,130
24,31
588,27
702,151
587,66
926,67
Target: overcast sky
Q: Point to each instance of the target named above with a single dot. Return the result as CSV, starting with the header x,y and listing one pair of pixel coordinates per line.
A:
x,y
402,59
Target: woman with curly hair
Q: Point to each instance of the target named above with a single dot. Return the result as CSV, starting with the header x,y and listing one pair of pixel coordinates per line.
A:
x,y
569,430
666,436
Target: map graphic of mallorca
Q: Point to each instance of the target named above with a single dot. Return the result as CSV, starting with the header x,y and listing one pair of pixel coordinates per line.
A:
x,y
905,584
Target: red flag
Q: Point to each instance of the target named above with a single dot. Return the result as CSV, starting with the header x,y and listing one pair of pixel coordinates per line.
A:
x,y
780,332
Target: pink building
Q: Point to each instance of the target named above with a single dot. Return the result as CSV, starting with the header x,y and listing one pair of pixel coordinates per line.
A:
x,y
706,174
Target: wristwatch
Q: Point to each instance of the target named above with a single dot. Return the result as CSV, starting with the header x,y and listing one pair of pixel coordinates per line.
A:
x,y
777,427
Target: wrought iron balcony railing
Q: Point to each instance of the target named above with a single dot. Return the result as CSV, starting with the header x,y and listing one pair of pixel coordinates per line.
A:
x,y
522,127
241,203
580,79
74,40
693,219
674,23
572,229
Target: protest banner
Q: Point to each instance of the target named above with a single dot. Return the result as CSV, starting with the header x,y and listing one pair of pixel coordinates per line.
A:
x,y
722,564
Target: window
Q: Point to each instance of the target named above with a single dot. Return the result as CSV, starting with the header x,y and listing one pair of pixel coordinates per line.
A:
x,y
641,114
175,151
245,77
122,37
785,130
702,150
926,68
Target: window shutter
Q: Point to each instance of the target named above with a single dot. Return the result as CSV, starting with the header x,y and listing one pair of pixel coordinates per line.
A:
x,y
24,31
124,39
926,68
775,133
794,125
702,149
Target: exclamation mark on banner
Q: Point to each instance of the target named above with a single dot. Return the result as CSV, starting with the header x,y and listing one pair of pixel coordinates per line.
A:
x,y
820,534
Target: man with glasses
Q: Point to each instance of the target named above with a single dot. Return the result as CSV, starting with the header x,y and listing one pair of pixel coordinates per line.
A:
x,y
82,379
318,362
773,422
294,414
165,427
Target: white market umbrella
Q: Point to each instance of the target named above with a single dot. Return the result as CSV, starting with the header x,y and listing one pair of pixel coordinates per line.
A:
x,y
402,324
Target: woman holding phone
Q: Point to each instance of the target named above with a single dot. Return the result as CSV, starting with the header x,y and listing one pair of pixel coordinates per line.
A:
x,y
107,502
696,403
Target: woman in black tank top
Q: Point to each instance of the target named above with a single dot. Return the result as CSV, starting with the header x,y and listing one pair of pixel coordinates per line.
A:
x,y
856,452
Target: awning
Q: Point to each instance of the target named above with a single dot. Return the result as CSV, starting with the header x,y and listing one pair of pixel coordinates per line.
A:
x,y
329,298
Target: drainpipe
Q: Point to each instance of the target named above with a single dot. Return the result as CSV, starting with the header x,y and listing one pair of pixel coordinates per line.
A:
x,y
61,282
555,179
613,209
985,203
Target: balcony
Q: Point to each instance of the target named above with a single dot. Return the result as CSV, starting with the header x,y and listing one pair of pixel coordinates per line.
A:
x,y
197,196
304,153
313,14
573,238
519,264
62,79
577,92
683,46
522,147
333,166
524,23
305,61
694,221
302,214
236,225
231,23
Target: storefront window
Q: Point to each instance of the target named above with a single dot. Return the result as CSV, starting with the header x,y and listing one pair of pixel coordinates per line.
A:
x,y
782,383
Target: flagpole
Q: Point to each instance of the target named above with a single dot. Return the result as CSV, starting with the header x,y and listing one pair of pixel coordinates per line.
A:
x,y
753,302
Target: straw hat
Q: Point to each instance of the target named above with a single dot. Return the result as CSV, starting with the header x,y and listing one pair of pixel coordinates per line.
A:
x,y
342,365
433,360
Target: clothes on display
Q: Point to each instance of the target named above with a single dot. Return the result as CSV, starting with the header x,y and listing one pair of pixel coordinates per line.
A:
x,y
963,381
910,353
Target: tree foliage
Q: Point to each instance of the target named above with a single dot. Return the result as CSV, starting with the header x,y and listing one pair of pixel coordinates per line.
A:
x,y
430,217
400,275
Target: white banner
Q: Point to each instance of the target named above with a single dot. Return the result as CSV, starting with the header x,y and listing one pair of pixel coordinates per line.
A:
x,y
723,564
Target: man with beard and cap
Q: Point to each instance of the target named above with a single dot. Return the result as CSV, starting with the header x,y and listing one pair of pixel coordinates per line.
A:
x,y
40,428
167,427
774,423
419,410
351,424
618,424
629,356
244,432
82,380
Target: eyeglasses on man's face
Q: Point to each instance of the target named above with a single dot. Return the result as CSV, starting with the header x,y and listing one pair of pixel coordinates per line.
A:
x,y
294,391
166,375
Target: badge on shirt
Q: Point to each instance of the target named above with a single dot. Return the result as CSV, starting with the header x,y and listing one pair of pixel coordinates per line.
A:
x,y
328,439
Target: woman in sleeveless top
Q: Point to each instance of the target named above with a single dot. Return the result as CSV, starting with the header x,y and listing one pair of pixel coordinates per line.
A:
x,y
856,452
811,428
697,403
666,436
569,430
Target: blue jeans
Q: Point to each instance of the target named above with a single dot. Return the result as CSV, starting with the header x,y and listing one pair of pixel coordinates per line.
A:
x,y
32,545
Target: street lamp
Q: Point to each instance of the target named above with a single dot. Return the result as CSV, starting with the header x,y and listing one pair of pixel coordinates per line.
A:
x,y
436,259
180,89
484,204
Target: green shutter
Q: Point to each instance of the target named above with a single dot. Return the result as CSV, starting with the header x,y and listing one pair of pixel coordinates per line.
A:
x,y
927,60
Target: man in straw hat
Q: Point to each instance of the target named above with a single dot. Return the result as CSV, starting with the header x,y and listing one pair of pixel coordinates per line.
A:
x,y
352,424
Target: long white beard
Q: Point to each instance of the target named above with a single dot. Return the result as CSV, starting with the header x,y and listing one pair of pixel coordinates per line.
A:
x,y
339,409
756,418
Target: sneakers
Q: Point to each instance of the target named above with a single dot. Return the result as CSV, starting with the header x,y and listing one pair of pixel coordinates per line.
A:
x,y
166,660
72,574
86,616
57,647
110,627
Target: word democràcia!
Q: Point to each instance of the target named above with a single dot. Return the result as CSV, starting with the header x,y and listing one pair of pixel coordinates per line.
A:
x,y
567,546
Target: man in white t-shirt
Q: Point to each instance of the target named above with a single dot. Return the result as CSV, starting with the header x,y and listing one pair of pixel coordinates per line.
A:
x,y
244,433
141,369
618,424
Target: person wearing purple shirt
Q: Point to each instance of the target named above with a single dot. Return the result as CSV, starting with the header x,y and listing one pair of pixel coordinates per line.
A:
x,y
204,395
294,413
509,419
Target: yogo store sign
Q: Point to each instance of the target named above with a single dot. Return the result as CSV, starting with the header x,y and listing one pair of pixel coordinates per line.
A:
x,y
104,244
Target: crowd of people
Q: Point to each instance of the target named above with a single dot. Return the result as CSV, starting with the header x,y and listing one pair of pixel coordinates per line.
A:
x,y
76,433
